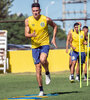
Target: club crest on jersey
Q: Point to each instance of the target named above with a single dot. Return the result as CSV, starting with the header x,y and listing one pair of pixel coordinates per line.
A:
x,y
81,36
42,24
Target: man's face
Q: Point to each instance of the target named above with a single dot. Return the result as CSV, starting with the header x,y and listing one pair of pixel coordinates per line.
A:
x,y
36,12
76,28
85,30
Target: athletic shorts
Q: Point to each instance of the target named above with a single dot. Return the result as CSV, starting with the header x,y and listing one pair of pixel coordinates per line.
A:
x,y
75,56
70,52
37,51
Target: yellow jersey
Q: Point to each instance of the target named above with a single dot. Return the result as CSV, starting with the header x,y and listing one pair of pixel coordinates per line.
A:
x,y
41,30
75,41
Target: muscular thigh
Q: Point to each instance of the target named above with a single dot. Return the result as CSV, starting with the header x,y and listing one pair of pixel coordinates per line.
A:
x,y
43,56
44,52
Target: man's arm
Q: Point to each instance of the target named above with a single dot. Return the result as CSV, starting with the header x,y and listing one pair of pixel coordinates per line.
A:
x,y
71,42
68,40
51,23
27,30
85,39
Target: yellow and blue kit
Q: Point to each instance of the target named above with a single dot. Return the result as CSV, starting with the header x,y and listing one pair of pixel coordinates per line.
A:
x,y
40,43
41,28
75,43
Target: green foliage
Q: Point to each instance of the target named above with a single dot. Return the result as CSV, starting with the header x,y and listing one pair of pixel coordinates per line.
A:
x,y
4,8
61,35
15,30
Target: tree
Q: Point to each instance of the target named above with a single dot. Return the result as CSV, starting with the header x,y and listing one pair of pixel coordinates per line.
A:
x,y
4,8
15,30
61,35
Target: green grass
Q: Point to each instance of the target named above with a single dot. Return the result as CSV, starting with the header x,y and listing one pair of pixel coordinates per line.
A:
x,y
12,85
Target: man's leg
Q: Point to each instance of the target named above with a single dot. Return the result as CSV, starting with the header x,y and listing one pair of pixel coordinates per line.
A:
x,y
39,78
74,57
73,67
38,74
83,59
85,71
77,72
36,58
72,71
70,63
44,62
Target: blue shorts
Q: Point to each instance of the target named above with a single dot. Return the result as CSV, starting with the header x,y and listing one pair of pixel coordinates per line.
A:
x,y
70,53
75,56
37,51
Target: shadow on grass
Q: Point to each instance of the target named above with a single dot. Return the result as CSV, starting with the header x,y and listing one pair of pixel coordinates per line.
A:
x,y
58,93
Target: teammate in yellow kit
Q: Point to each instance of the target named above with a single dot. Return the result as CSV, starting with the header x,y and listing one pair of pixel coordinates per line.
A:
x,y
74,43
36,28
68,43
85,29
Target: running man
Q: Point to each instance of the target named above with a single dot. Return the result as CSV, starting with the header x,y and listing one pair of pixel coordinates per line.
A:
x,y
85,29
74,43
36,28
68,43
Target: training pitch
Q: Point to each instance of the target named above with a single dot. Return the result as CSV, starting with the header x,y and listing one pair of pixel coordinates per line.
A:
x,y
24,86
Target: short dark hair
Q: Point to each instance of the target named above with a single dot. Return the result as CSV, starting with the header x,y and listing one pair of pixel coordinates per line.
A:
x,y
76,24
85,27
35,5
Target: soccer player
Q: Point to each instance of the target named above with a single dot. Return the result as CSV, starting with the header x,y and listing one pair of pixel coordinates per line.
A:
x,y
85,29
36,28
68,43
74,43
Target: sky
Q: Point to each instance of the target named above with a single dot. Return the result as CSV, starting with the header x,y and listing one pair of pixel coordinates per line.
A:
x,y
52,9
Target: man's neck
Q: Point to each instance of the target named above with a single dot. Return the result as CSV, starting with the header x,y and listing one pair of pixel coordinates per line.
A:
x,y
38,17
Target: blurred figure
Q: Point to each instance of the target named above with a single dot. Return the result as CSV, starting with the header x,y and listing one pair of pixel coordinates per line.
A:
x,y
74,43
67,45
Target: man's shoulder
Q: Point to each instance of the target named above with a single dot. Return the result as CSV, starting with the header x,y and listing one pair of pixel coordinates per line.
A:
x,y
30,17
43,17
26,20
70,32
82,32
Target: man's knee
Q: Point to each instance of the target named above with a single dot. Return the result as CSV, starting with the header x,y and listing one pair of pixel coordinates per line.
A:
x,y
43,60
73,63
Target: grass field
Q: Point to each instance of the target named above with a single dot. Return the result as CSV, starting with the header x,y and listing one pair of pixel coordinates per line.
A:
x,y
13,85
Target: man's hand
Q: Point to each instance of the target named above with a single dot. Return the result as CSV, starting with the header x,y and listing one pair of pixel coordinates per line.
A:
x,y
73,48
54,42
85,43
66,50
33,34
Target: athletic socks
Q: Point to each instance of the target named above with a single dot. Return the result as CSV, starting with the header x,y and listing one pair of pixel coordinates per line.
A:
x,y
41,88
47,73
85,75
72,77
77,75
